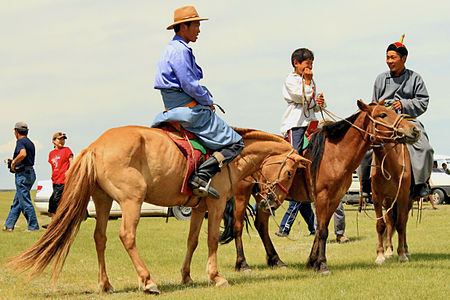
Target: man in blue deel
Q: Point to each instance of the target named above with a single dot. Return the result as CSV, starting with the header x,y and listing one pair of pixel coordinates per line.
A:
x,y
191,104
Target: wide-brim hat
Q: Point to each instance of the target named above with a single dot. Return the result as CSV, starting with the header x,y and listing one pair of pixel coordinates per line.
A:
x,y
185,14
59,135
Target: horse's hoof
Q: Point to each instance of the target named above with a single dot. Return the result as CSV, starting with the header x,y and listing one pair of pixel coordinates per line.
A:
x,y
222,283
388,255
403,258
247,270
408,254
106,288
277,264
323,270
152,290
187,281
380,260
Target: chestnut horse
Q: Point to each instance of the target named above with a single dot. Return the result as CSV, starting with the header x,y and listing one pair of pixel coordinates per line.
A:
x,y
391,182
134,164
335,152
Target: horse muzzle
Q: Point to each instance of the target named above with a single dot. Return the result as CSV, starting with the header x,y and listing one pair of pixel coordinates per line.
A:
x,y
411,136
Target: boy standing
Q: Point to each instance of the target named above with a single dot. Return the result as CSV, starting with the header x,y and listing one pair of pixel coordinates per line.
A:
x,y
60,159
299,91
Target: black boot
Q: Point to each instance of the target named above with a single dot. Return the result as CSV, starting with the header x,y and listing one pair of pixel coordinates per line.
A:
x,y
200,182
421,190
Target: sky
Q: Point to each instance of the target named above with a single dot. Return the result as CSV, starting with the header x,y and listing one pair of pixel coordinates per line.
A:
x,y
82,67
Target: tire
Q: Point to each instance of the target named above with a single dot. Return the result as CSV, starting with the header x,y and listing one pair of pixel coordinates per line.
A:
x,y
181,212
438,196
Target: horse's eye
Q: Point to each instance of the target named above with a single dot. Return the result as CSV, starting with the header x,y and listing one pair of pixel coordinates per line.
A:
x,y
383,115
289,174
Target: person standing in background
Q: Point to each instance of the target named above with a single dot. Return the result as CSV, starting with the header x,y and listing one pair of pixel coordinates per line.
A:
x,y
60,159
22,166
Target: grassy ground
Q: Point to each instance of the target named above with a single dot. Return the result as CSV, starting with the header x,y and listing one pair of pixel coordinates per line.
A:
x,y
162,246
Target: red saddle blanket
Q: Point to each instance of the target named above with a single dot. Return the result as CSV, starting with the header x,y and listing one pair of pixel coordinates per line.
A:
x,y
194,157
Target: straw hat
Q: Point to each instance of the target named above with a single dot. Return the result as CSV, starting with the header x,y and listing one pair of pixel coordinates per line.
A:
x,y
185,14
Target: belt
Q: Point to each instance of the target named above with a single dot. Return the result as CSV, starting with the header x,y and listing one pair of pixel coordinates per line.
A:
x,y
190,104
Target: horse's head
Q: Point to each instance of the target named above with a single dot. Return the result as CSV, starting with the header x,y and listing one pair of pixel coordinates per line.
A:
x,y
387,125
275,178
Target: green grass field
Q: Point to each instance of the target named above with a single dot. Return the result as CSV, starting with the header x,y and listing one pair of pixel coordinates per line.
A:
x,y
354,274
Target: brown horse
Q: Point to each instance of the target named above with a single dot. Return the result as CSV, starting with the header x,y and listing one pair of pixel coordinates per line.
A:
x,y
335,151
135,164
391,182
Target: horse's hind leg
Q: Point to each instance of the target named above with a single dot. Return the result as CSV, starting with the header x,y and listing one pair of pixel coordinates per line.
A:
x,y
102,207
239,214
381,228
131,212
262,225
402,219
197,216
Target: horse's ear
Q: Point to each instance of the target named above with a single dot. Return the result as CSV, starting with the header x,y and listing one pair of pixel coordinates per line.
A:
x,y
362,106
301,161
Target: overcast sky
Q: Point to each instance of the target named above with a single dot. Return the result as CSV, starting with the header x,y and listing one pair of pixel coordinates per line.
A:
x,y
82,67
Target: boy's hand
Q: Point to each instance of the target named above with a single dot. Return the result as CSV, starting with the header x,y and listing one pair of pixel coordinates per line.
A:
x,y
307,75
320,100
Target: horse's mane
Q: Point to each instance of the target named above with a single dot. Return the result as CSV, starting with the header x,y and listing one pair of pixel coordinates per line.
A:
x,y
333,131
248,133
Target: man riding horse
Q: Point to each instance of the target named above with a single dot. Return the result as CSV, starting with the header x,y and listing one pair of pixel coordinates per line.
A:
x,y
406,92
191,104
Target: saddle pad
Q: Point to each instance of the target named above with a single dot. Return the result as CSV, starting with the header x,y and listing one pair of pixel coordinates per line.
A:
x,y
194,154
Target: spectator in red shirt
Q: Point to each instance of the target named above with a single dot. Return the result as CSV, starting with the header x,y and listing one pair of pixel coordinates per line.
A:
x,y
60,159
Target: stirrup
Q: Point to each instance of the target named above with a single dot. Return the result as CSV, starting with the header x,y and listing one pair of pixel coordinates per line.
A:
x,y
206,191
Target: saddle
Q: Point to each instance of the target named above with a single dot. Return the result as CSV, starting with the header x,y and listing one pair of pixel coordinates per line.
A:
x,y
188,143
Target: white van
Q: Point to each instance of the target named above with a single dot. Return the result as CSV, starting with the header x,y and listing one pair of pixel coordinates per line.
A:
x,y
45,190
440,159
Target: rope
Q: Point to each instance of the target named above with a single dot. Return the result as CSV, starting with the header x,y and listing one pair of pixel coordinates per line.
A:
x,y
398,189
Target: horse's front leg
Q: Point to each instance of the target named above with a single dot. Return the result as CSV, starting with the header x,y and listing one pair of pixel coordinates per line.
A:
x,y
317,258
381,227
131,212
389,253
197,216
215,213
239,214
262,225
102,206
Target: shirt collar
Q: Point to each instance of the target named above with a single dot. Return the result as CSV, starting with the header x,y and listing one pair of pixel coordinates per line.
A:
x,y
401,73
178,38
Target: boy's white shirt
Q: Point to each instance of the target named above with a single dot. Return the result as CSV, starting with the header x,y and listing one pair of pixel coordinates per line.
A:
x,y
293,94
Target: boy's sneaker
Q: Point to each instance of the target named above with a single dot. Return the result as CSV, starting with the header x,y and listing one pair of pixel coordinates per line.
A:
x,y
281,234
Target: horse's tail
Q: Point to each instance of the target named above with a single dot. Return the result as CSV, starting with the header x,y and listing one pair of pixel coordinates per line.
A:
x,y
228,220
56,241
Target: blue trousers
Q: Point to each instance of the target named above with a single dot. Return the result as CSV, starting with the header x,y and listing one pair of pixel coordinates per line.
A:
x,y
291,213
22,201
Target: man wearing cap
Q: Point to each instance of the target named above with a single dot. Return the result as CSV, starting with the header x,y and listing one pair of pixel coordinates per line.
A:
x,y
60,159
22,165
405,90
191,104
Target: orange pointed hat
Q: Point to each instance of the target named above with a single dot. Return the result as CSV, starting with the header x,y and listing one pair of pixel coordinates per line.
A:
x,y
398,47
185,14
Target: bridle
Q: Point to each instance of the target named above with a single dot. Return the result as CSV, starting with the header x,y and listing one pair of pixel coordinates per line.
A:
x,y
268,186
392,135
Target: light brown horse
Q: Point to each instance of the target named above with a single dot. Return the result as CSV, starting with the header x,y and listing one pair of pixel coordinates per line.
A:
x,y
135,164
391,183
335,152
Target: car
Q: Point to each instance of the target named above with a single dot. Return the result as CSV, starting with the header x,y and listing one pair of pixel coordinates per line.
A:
x,y
352,195
440,186
45,190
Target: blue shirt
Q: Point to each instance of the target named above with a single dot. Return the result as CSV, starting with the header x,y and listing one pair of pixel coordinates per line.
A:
x,y
177,69
25,143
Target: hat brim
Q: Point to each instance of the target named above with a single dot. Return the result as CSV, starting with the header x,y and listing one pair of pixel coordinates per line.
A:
x,y
186,20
